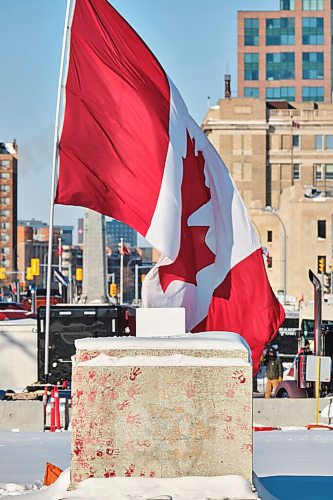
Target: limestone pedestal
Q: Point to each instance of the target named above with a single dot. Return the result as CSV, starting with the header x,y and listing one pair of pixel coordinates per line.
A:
x,y
162,407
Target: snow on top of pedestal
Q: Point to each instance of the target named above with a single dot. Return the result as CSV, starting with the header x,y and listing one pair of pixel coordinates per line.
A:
x,y
172,360
224,341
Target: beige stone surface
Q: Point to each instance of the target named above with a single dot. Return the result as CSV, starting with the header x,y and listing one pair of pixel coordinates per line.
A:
x,y
161,420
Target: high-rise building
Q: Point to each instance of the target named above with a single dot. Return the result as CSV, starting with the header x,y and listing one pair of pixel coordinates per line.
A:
x,y
286,54
8,205
116,230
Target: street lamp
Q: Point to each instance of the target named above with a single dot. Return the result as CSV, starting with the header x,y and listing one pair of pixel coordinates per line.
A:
x,y
274,212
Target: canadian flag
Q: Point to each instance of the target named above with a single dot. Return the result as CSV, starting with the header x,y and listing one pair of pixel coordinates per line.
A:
x,y
129,149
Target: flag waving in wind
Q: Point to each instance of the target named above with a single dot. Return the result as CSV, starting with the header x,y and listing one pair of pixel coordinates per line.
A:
x,y
129,149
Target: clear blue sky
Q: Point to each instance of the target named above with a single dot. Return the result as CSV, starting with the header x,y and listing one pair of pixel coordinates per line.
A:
x,y
194,40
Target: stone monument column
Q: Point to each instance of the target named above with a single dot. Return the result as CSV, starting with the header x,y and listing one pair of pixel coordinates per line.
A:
x,y
94,258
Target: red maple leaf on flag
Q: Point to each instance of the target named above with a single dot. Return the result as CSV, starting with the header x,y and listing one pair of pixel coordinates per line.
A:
x,y
194,253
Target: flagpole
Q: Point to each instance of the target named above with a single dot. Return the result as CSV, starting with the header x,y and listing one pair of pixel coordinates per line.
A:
x,y
53,189
121,279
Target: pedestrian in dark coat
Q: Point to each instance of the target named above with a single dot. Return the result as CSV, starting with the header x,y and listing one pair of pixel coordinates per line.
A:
x,y
274,371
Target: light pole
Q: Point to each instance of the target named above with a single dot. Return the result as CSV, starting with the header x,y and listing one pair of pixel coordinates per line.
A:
x,y
275,213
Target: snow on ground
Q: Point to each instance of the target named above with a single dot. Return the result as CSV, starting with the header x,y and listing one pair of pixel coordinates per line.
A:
x,y
291,464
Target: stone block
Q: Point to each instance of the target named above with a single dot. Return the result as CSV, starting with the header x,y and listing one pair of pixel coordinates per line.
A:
x,y
169,408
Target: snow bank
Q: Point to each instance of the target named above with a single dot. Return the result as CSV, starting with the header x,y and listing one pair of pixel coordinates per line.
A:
x,y
182,488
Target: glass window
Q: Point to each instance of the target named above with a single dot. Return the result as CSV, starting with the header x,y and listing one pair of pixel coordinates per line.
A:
x,y
251,92
287,4
251,66
313,30
280,31
321,229
4,201
296,172
5,163
329,172
280,93
4,225
319,141
251,31
312,93
5,188
4,213
313,65
280,66
4,237
313,4
296,142
4,175
329,142
318,172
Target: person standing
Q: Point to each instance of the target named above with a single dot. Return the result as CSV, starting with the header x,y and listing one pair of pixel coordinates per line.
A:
x,y
274,371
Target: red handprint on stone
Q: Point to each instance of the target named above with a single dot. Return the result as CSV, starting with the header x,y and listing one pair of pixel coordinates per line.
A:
x,y
135,372
134,390
133,419
190,390
229,391
123,405
247,447
239,375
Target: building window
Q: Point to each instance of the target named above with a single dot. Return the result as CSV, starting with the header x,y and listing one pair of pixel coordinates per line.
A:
x,y
269,262
4,163
296,142
280,93
313,30
329,142
251,66
321,229
280,66
280,31
4,201
251,92
4,225
287,4
5,188
4,237
319,142
329,172
296,172
313,94
313,5
4,250
269,236
5,175
323,171
251,31
4,213
313,65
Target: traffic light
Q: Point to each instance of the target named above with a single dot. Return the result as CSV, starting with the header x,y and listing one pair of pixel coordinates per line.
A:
x,y
35,267
79,274
29,276
2,273
113,290
327,283
321,265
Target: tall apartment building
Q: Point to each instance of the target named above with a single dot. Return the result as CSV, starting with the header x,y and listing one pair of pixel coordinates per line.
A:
x,y
286,54
8,205
281,158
